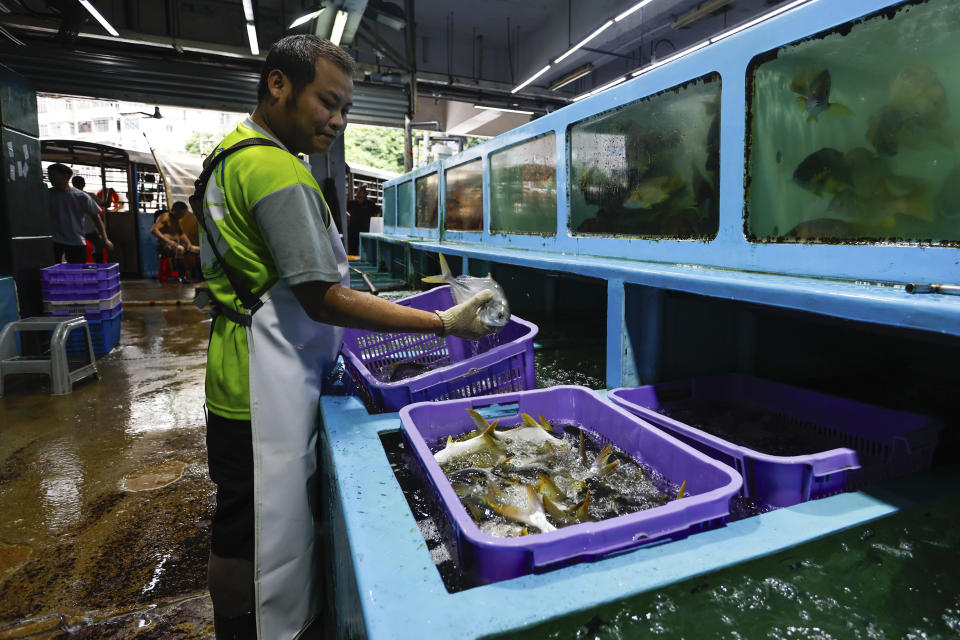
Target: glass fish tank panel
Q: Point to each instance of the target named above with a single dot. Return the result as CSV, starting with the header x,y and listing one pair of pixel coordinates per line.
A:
x,y
650,167
523,187
852,133
405,204
390,206
464,197
428,189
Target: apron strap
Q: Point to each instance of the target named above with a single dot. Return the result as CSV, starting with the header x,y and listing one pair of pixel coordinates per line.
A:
x,y
247,298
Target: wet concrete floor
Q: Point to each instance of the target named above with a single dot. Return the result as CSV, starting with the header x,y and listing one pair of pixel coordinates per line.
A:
x,y
105,502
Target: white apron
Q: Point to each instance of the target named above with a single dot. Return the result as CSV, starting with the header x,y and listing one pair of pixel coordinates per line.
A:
x,y
289,356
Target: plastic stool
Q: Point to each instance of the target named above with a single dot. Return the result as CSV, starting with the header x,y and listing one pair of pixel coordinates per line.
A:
x,y
166,269
57,366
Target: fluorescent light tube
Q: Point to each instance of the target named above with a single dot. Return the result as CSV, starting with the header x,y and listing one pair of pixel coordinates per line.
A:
x,y
691,17
530,79
480,106
590,37
608,85
252,37
600,89
96,14
248,10
631,10
755,21
670,59
305,18
339,24
576,74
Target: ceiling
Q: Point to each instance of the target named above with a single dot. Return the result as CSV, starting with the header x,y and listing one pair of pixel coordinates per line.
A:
x,y
458,52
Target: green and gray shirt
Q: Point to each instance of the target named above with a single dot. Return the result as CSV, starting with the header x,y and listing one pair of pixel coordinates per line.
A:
x,y
273,223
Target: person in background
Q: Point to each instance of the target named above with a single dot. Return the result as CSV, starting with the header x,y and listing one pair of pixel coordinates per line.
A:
x,y
172,242
360,210
90,232
68,207
266,214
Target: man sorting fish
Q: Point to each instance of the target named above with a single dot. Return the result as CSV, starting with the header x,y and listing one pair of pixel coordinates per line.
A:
x,y
278,272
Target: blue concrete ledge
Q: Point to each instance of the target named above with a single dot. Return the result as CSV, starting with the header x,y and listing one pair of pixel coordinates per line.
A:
x,y
878,303
396,591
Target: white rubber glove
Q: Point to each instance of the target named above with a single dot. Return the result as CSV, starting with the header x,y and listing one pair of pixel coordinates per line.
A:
x,y
463,320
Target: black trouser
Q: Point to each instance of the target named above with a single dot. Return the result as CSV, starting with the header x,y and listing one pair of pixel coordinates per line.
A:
x,y
75,254
230,460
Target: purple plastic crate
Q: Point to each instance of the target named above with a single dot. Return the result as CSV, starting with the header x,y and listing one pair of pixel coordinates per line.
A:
x,y
73,274
104,332
100,290
500,363
710,484
872,443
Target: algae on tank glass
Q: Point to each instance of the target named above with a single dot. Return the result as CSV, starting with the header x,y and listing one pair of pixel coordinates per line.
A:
x,y
525,479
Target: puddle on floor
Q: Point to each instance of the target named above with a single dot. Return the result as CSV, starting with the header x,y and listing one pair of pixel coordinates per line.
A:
x,y
154,476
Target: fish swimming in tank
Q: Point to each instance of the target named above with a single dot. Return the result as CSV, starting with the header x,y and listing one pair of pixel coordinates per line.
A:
x,y
863,189
652,191
813,91
495,313
914,114
823,172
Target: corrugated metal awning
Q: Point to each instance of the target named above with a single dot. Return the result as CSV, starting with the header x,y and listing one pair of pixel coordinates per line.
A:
x,y
154,80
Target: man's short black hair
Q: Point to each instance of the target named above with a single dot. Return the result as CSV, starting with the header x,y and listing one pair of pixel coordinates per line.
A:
x,y
78,182
179,205
60,169
296,56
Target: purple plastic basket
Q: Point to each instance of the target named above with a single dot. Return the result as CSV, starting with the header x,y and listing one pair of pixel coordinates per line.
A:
x,y
73,274
872,443
500,363
710,485
100,290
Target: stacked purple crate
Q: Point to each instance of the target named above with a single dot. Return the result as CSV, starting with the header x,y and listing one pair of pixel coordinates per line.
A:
x,y
90,290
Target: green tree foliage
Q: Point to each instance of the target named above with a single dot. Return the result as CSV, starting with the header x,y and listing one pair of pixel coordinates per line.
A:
x,y
377,147
473,141
202,142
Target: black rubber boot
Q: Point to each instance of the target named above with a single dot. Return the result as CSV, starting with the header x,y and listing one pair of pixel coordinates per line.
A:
x,y
239,628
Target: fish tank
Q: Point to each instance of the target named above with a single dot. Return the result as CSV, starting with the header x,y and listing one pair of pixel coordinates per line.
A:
x,y
427,207
649,167
852,134
523,187
390,206
463,197
405,204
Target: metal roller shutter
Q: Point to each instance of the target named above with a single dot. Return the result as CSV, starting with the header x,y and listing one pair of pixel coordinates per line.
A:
x,y
177,83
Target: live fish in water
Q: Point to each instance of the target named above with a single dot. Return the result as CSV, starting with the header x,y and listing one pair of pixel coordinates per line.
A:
x,y
814,94
495,313
652,191
914,115
862,187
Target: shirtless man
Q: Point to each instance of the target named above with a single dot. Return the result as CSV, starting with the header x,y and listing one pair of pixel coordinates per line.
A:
x,y
172,242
